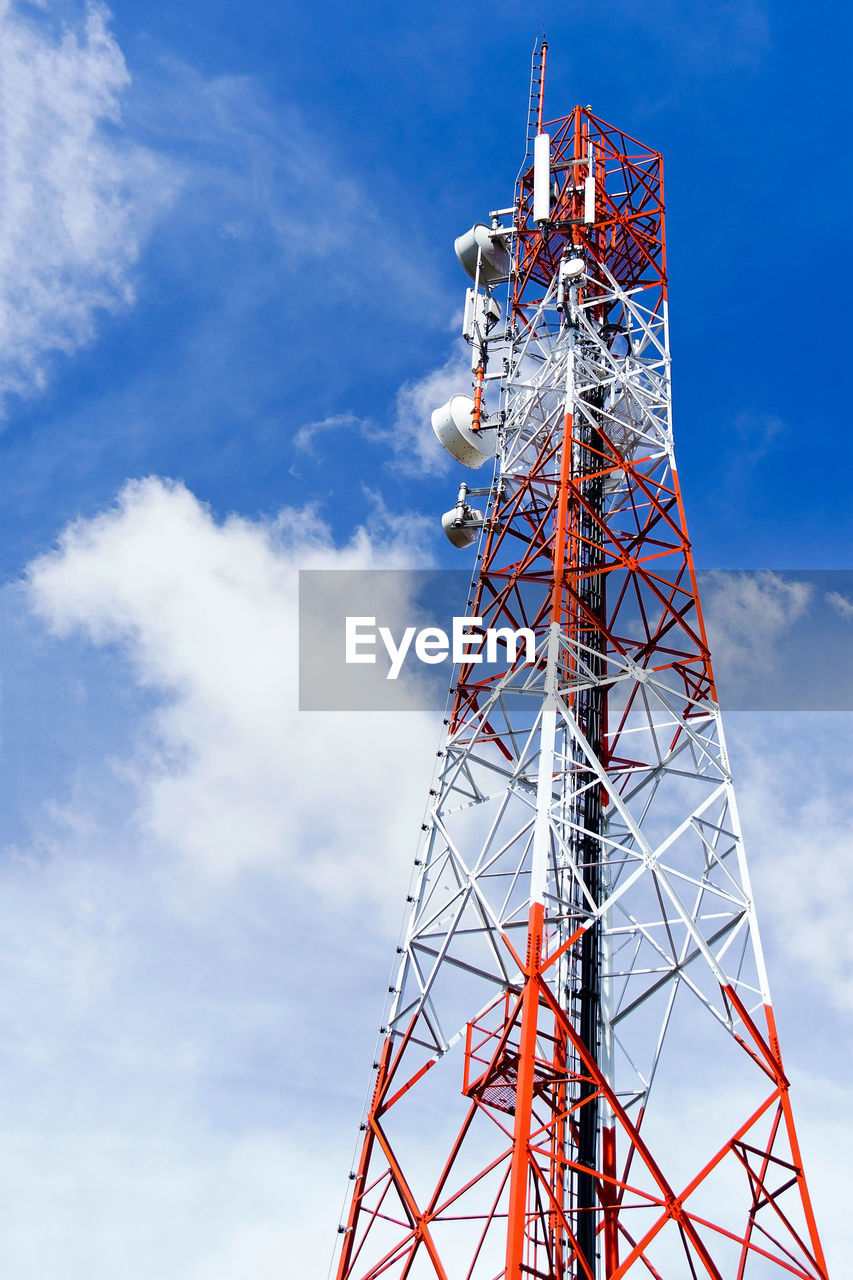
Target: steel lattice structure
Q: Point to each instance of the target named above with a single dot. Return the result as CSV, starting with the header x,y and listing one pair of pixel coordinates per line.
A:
x,y
581,1075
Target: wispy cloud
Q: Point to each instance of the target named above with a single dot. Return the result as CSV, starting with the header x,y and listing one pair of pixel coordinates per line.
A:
x,y
755,436
795,788
92,161
746,613
77,199
406,432
303,440
250,166
840,603
410,436
758,434
707,38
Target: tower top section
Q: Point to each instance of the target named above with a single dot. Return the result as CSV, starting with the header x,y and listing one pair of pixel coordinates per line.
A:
x,y
586,190
595,191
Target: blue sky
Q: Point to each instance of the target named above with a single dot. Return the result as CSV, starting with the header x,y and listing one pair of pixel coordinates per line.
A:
x,y
228,302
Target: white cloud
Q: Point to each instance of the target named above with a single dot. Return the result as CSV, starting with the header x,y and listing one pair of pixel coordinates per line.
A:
x,y
824,1116
230,773
202,611
173,1066
840,603
745,614
411,436
203,973
76,199
795,788
304,438
136,1204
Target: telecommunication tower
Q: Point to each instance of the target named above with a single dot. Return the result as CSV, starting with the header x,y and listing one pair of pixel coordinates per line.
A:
x,y
579,1076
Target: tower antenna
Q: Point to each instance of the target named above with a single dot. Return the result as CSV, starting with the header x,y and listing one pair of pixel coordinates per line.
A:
x,y
543,54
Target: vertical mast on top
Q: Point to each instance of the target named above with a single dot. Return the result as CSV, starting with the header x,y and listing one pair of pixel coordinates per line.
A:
x,y
543,53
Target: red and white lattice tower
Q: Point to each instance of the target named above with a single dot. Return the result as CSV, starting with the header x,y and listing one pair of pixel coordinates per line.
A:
x,y
580,1075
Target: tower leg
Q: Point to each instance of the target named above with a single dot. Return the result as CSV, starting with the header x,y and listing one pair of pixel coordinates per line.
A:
x,y
517,1221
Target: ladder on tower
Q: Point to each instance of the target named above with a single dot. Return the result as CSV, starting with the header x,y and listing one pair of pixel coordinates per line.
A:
x,y
534,106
